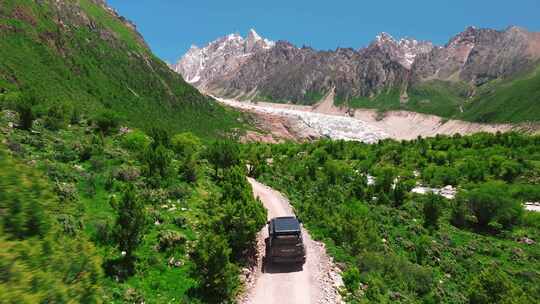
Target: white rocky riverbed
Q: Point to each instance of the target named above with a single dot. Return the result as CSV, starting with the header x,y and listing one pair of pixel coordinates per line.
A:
x,y
324,125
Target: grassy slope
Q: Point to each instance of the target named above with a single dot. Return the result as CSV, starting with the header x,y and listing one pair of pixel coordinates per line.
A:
x,y
77,206
433,97
94,68
514,100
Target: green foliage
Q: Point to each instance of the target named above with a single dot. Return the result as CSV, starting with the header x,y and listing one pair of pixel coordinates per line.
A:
x,y
96,62
23,212
157,161
56,117
402,243
493,207
106,121
189,170
186,145
215,273
239,215
351,278
494,286
131,223
136,141
223,154
26,113
39,263
432,210
439,176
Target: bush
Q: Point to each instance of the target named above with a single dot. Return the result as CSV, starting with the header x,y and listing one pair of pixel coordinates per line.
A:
x,y
223,154
23,217
107,120
131,223
26,113
135,141
432,210
493,286
39,260
240,216
160,137
186,145
56,117
217,277
351,278
157,161
189,170
493,207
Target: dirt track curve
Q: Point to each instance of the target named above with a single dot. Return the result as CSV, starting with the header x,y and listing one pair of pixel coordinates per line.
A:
x,y
316,282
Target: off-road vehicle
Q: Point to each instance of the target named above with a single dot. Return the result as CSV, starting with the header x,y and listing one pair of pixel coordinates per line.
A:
x,y
284,243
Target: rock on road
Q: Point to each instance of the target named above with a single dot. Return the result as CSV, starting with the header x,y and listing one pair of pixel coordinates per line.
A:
x,y
316,282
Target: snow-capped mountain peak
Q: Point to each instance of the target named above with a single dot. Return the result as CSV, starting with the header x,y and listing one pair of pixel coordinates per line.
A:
x,y
219,56
403,51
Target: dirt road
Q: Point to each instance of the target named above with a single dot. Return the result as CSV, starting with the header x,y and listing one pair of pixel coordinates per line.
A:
x,y
316,282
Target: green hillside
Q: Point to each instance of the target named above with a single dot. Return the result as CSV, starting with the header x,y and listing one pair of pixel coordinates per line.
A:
x,y
498,101
516,100
91,212
82,57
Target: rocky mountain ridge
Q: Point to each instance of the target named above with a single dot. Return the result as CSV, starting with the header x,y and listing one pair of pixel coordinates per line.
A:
x,y
388,72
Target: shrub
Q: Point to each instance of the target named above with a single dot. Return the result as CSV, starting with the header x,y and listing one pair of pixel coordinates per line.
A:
x,y
493,206
131,222
438,176
223,154
241,216
460,212
106,120
217,276
135,141
351,278
26,113
493,286
432,210
186,145
160,137
189,170
56,117
157,161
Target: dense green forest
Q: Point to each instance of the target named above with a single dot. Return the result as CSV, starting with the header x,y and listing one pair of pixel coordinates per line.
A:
x,y
398,246
91,212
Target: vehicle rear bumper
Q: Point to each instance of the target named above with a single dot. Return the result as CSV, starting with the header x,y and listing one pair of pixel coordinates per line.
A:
x,y
285,260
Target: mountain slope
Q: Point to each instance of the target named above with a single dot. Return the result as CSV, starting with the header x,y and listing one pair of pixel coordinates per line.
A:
x,y
454,80
83,54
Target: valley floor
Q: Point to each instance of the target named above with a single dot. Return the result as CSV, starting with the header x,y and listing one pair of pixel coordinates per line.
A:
x,y
324,120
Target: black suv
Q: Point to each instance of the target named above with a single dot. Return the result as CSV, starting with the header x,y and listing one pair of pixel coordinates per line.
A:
x,y
284,243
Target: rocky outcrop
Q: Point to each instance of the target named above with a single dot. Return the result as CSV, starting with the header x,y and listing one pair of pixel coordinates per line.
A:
x,y
256,67
480,55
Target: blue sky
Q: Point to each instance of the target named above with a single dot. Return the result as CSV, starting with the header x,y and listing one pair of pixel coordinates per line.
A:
x,y
172,26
